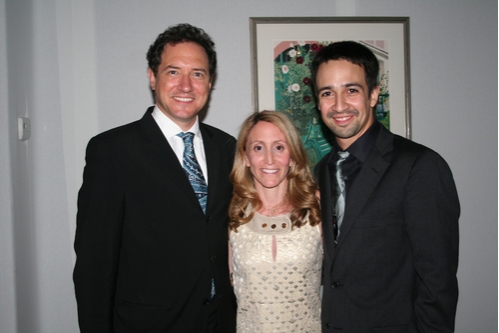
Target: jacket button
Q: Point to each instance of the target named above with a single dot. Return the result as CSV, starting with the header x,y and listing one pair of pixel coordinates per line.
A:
x,y
212,258
328,325
206,302
335,285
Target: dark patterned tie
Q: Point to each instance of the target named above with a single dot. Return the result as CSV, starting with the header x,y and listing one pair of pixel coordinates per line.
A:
x,y
193,170
340,188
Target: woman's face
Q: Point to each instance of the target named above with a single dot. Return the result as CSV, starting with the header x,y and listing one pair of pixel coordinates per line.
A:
x,y
268,156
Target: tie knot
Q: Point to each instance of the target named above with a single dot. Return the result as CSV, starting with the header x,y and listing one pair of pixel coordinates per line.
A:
x,y
186,136
343,156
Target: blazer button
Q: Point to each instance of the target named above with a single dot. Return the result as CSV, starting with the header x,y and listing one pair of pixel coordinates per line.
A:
x,y
206,302
335,285
328,325
212,258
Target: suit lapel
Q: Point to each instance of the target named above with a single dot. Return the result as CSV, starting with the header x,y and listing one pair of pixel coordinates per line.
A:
x,y
213,160
326,202
369,176
161,154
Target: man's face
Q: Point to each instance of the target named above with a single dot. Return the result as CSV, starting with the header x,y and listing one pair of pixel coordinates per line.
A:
x,y
344,101
182,84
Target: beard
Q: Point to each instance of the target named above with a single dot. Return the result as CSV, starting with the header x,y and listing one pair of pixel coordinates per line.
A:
x,y
347,131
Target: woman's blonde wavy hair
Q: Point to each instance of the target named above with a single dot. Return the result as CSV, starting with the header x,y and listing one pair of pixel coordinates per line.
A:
x,y
301,192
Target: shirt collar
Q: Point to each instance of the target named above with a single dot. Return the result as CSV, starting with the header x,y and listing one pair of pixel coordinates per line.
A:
x,y
169,128
362,146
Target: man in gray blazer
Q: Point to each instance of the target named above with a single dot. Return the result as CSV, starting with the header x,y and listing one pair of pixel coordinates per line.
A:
x,y
389,211
152,248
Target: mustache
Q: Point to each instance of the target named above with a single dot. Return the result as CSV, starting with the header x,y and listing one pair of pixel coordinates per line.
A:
x,y
332,114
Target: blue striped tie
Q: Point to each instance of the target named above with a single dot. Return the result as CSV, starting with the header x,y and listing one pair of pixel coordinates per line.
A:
x,y
193,170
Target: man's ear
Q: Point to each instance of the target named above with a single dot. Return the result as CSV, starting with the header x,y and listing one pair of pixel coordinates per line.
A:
x,y
374,96
152,79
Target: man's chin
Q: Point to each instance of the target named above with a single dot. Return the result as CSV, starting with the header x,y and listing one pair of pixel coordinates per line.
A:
x,y
343,133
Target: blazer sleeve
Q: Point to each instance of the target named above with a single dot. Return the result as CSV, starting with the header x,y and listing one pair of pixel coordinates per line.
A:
x,y
432,212
97,240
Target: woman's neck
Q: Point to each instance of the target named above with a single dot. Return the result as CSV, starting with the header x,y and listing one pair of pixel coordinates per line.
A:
x,y
274,203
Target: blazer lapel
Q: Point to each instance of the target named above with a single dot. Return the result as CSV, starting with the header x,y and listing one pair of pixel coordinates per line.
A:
x,y
213,160
370,174
161,154
326,202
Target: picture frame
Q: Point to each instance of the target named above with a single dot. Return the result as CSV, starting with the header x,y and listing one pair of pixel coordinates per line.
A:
x,y
282,49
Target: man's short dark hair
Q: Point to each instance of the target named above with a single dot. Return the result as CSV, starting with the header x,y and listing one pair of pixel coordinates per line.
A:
x,y
182,33
353,52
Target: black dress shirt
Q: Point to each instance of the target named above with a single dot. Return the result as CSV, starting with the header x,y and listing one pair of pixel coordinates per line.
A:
x,y
358,153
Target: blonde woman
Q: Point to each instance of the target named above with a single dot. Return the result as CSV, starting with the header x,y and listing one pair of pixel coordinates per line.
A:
x,y
275,234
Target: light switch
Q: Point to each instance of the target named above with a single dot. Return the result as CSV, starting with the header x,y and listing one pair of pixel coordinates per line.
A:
x,y
24,128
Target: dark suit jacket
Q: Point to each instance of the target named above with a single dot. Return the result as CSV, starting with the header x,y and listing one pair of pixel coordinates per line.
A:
x,y
394,267
146,253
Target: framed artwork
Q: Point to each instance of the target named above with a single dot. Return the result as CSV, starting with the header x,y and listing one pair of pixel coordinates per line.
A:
x,y
283,49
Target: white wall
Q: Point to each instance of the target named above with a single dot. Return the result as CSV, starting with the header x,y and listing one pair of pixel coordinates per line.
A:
x,y
78,68
7,292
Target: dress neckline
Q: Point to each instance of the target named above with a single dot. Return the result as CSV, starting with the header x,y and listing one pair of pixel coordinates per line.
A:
x,y
270,225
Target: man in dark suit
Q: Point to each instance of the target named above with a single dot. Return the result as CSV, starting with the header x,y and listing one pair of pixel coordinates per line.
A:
x,y
390,218
151,250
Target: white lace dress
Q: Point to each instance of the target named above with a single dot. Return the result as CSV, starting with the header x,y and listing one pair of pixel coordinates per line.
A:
x,y
277,276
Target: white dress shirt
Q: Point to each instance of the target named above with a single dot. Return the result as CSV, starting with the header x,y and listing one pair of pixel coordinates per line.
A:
x,y
170,131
